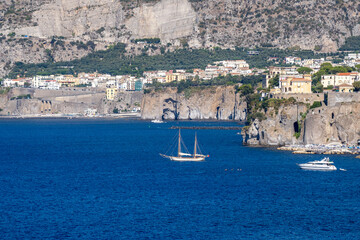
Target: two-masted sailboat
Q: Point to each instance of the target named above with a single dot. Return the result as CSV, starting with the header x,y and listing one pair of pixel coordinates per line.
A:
x,y
186,156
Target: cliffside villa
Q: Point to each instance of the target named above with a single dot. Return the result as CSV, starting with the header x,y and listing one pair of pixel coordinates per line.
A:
x,y
296,85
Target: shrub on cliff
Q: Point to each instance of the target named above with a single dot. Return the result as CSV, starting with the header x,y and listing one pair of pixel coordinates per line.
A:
x,y
257,115
147,91
315,105
245,90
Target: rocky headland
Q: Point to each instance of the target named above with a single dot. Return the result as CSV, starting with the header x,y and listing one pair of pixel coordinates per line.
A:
x,y
213,103
298,125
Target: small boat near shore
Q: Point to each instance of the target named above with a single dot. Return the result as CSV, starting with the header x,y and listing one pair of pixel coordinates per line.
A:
x,y
322,165
182,156
157,121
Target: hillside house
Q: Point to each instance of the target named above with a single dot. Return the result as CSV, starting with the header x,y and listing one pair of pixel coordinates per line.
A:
x,y
296,85
339,78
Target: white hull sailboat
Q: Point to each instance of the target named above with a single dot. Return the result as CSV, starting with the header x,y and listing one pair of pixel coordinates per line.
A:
x,y
185,156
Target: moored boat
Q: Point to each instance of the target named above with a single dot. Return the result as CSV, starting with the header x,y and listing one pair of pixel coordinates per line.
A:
x,y
322,165
157,121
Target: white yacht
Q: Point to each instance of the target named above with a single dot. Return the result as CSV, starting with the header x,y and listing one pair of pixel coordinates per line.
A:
x,y
322,165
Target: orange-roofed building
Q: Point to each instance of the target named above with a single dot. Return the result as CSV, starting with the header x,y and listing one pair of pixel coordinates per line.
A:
x,y
340,78
296,85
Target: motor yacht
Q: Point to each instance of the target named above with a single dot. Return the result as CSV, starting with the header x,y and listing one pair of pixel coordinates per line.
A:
x,y
323,165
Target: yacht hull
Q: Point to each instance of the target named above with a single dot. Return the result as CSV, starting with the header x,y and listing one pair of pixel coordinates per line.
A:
x,y
184,159
187,159
317,168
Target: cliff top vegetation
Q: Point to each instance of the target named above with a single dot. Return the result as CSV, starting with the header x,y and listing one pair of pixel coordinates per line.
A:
x,y
116,61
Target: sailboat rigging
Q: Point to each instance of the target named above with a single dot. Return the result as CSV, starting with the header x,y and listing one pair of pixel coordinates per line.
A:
x,y
186,156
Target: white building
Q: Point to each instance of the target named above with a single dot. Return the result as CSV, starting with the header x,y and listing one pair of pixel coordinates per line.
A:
x,y
45,82
293,60
339,79
19,82
353,56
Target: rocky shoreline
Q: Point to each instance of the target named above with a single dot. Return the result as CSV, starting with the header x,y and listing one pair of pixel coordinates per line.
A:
x,y
321,149
72,116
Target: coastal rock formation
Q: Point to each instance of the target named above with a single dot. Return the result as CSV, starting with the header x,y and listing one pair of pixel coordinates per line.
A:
x,y
278,128
339,124
323,125
218,103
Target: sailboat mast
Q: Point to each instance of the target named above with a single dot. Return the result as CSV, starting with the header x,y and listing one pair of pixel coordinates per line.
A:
x,y
195,143
179,144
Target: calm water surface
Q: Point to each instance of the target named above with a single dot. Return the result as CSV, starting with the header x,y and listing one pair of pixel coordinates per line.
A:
x,y
105,180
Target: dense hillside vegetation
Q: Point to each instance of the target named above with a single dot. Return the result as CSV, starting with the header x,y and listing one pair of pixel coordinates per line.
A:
x,y
115,61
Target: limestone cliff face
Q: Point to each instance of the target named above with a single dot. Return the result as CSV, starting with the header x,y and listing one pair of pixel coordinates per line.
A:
x,y
278,128
310,24
322,125
283,23
340,123
221,103
168,20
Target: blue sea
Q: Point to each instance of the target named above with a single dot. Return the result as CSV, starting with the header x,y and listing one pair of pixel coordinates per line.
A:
x,y
104,179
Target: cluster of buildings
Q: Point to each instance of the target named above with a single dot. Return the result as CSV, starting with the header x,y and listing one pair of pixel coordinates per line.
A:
x,y
290,77
343,82
223,68
290,81
96,80
352,59
220,68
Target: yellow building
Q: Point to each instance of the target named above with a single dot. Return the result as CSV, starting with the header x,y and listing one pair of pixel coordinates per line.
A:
x,y
171,76
275,90
345,88
67,80
296,85
111,93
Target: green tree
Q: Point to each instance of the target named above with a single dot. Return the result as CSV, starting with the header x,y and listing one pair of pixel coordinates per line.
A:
x,y
304,70
340,69
356,86
318,88
246,89
357,66
274,82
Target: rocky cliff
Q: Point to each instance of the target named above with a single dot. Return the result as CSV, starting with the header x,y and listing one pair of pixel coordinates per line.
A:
x,y
27,101
278,128
312,24
218,103
321,125
340,123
